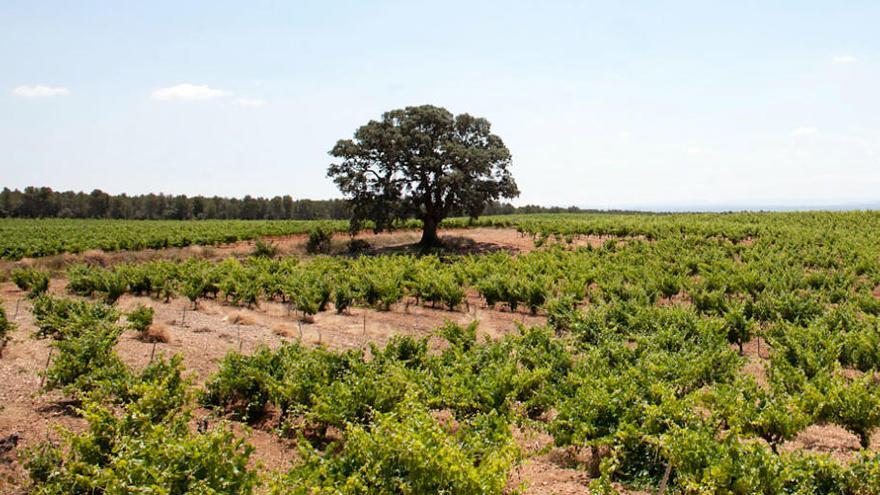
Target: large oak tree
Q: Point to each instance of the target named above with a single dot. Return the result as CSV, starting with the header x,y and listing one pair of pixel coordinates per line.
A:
x,y
421,162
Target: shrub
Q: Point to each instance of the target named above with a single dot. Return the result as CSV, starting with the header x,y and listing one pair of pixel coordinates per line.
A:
x,y
860,347
160,375
113,284
705,464
812,350
357,246
242,385
264,249
140,318
288,377
319,239
85,360
343,297
358,394
138,451
865,475
408,451
61,317
82,280
854,406
737,325
562,314
34,282
774,415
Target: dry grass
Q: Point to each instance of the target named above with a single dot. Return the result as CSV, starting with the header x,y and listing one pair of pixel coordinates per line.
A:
x,y
240,318
282,330
157,332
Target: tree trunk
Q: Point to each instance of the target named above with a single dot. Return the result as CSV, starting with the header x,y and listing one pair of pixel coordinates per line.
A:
x,y
865,439
429,233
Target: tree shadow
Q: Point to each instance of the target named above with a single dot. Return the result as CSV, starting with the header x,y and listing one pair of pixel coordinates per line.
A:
x,y
64,407
449,245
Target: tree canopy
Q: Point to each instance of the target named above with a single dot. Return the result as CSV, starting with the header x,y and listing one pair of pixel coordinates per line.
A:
x,y
421,162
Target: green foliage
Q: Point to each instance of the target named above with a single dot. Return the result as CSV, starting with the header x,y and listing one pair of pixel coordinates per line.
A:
x,y
854,405
83,361
264,249
408,451
738,325
34,282
241,386
421,162
146,447
638,362
562,314
84,336
288,377
21,238
320,236
812,350
705,465
62,317
748,409
140,318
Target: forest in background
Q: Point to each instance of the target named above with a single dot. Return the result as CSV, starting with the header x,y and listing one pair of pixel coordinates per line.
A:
x,y
44,202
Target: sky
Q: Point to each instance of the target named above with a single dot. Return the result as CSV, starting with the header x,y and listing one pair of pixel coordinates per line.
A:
x,y
626,104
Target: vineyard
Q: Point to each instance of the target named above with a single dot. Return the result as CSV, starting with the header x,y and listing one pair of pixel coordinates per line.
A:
x,y
26,238
21,238
677,354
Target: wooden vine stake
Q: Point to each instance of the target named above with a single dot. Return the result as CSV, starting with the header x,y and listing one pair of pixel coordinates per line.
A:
x,y
17,304
46,369
665,479
153,352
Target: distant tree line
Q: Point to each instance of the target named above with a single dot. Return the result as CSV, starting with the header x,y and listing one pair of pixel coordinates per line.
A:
x,y
43,202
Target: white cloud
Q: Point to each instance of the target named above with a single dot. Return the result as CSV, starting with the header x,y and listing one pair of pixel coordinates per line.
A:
x,y
187,92
804,131
624,135
844,59
249,102
40,91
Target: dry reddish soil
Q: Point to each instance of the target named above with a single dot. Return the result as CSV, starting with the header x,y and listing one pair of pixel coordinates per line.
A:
x,y
456,240
203,336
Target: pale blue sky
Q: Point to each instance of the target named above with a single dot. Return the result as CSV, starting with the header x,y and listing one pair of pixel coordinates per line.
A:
x,y
603,104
